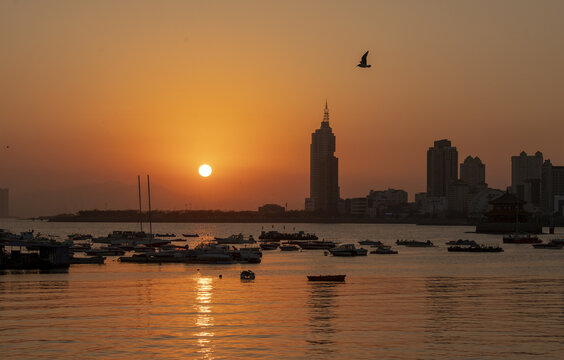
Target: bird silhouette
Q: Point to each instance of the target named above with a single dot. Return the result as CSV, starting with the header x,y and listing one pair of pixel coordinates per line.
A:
x,y
363,63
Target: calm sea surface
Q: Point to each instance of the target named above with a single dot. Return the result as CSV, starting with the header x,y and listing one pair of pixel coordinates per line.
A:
x,y
423,303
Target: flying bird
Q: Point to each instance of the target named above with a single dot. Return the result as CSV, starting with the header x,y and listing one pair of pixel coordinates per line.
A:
x,y
363,63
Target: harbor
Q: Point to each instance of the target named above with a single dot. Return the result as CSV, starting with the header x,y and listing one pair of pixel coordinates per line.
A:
x,y
388,306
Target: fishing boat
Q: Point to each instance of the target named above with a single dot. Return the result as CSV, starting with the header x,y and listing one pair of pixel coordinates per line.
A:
x,y
339,278
190,235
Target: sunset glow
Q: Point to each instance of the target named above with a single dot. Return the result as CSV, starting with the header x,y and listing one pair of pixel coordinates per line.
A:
x,y
81,94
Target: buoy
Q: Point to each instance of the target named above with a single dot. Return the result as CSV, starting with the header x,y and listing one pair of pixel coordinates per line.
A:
x,y
220,276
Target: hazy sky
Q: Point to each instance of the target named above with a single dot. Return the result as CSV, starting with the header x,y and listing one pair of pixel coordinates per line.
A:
x,y
93,93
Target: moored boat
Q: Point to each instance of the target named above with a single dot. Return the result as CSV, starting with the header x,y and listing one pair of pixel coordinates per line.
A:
x,y
315,245
461,242
521,239
105,252
552,245
339,278
87,260
415,243
277,236
475,248
269,246
371,242
348,250
383,250
165,235
289,247
235,239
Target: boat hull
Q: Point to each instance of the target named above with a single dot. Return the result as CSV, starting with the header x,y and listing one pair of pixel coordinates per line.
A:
x,y
336,278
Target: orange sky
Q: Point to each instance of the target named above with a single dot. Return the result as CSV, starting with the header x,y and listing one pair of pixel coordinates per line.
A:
x,y
95,92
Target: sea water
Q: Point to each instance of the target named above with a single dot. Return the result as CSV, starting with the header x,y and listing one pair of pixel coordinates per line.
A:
x,y
423,303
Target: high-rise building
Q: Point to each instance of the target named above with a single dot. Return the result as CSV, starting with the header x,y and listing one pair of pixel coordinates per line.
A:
x,y
324,169
4,203
526,175
552,185
473,172
442,167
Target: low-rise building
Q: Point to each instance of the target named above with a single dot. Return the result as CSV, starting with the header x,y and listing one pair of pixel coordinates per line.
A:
x,y
271,210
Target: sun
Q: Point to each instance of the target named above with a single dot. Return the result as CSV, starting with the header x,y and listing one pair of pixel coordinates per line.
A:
x,y
205,170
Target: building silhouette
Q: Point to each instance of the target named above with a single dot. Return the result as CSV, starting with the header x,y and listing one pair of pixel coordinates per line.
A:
x,y
552,187
526,176
4,203
324,170
473,172
442,167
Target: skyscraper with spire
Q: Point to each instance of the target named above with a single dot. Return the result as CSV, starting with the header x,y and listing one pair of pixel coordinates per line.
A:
x,y
324,169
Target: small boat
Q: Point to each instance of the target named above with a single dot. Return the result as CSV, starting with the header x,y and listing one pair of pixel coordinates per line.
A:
x,y
166,235
235,239
475,248
289,247
371,242
269,246
461,242
550,245
247,254
277,236
348,250
521,239
87,260
415,243
317,245
105,252
339,278
80,247
384,250
247,275
190,235
77,236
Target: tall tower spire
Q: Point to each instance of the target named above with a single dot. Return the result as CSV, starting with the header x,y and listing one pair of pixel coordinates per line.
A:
x,y
326,113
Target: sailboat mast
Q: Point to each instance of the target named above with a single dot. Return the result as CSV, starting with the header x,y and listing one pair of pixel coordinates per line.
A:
x,y
149,192
140,212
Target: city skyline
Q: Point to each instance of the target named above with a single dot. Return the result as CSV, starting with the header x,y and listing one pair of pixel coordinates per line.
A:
x,y
94,94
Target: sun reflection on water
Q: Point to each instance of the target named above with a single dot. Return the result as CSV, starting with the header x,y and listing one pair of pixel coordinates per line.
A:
x,y
204,319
